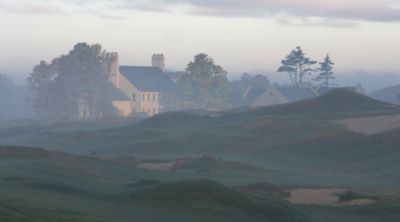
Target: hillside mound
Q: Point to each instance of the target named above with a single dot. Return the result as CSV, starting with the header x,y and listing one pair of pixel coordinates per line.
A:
x,y
43,168
19,153
192,190
216,197
213,164
336,101
266,188
173,119
389,94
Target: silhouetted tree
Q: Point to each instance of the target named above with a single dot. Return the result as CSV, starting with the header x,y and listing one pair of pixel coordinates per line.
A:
x,y
205,83
238,88
40,82
297,65
78,77
326,73
6,90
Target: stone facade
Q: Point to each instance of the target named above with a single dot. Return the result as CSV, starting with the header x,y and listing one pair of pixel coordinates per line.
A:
x,y
149,89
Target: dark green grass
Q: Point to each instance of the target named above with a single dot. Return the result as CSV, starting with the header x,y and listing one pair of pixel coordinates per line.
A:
x,y
337,103
297,144
298,138
38,185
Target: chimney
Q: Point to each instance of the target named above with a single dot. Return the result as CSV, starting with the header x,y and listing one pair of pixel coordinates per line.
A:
x,y
158,60
115,71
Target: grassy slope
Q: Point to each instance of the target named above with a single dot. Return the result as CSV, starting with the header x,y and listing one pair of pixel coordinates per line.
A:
x,y
293,137
37,185
336,103
296,137
290,138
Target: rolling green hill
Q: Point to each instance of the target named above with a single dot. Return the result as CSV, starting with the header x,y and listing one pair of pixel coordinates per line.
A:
x,y
338,102
293,145
299,137
39,185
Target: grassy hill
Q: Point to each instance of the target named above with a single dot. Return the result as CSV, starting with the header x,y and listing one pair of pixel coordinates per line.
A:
x,y
39,185
210,196
298,144
389,94
337,102
299,137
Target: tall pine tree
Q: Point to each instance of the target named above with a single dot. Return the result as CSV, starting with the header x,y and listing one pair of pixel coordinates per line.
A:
x,y
297,65
326,72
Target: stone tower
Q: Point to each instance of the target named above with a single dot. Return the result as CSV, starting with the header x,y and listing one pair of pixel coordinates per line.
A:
x,y
115,71
158,60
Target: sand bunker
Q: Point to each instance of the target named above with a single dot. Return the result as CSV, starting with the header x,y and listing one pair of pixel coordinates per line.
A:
x,y
324,197
168,166
371,125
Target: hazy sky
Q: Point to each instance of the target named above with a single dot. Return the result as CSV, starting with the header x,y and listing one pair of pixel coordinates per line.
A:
x,y
241,35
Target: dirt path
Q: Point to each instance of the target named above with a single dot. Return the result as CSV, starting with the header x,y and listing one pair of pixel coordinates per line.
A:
x,y
372,125
323,197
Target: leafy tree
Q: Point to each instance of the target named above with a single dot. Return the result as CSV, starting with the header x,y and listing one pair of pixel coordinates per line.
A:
x,y
70,80
205,83
297,65
238,88
6,88
40,83
326,73
257,81
5,83
87,69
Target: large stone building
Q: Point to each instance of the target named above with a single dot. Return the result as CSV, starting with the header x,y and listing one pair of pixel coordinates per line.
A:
x,y
148,89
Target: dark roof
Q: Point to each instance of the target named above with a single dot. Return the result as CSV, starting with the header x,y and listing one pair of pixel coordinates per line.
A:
x,y
117,94
294,94
253,95
147,78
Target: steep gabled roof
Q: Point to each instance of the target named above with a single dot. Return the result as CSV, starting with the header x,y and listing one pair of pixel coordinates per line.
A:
x,y
294,94
148,79
253,94
117,94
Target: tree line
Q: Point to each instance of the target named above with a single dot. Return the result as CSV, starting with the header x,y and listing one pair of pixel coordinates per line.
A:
x,y
13,99
82,76
298,65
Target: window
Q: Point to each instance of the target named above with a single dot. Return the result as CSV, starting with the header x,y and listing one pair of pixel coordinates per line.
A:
x,y
143,97
133,97
154,97
148,97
